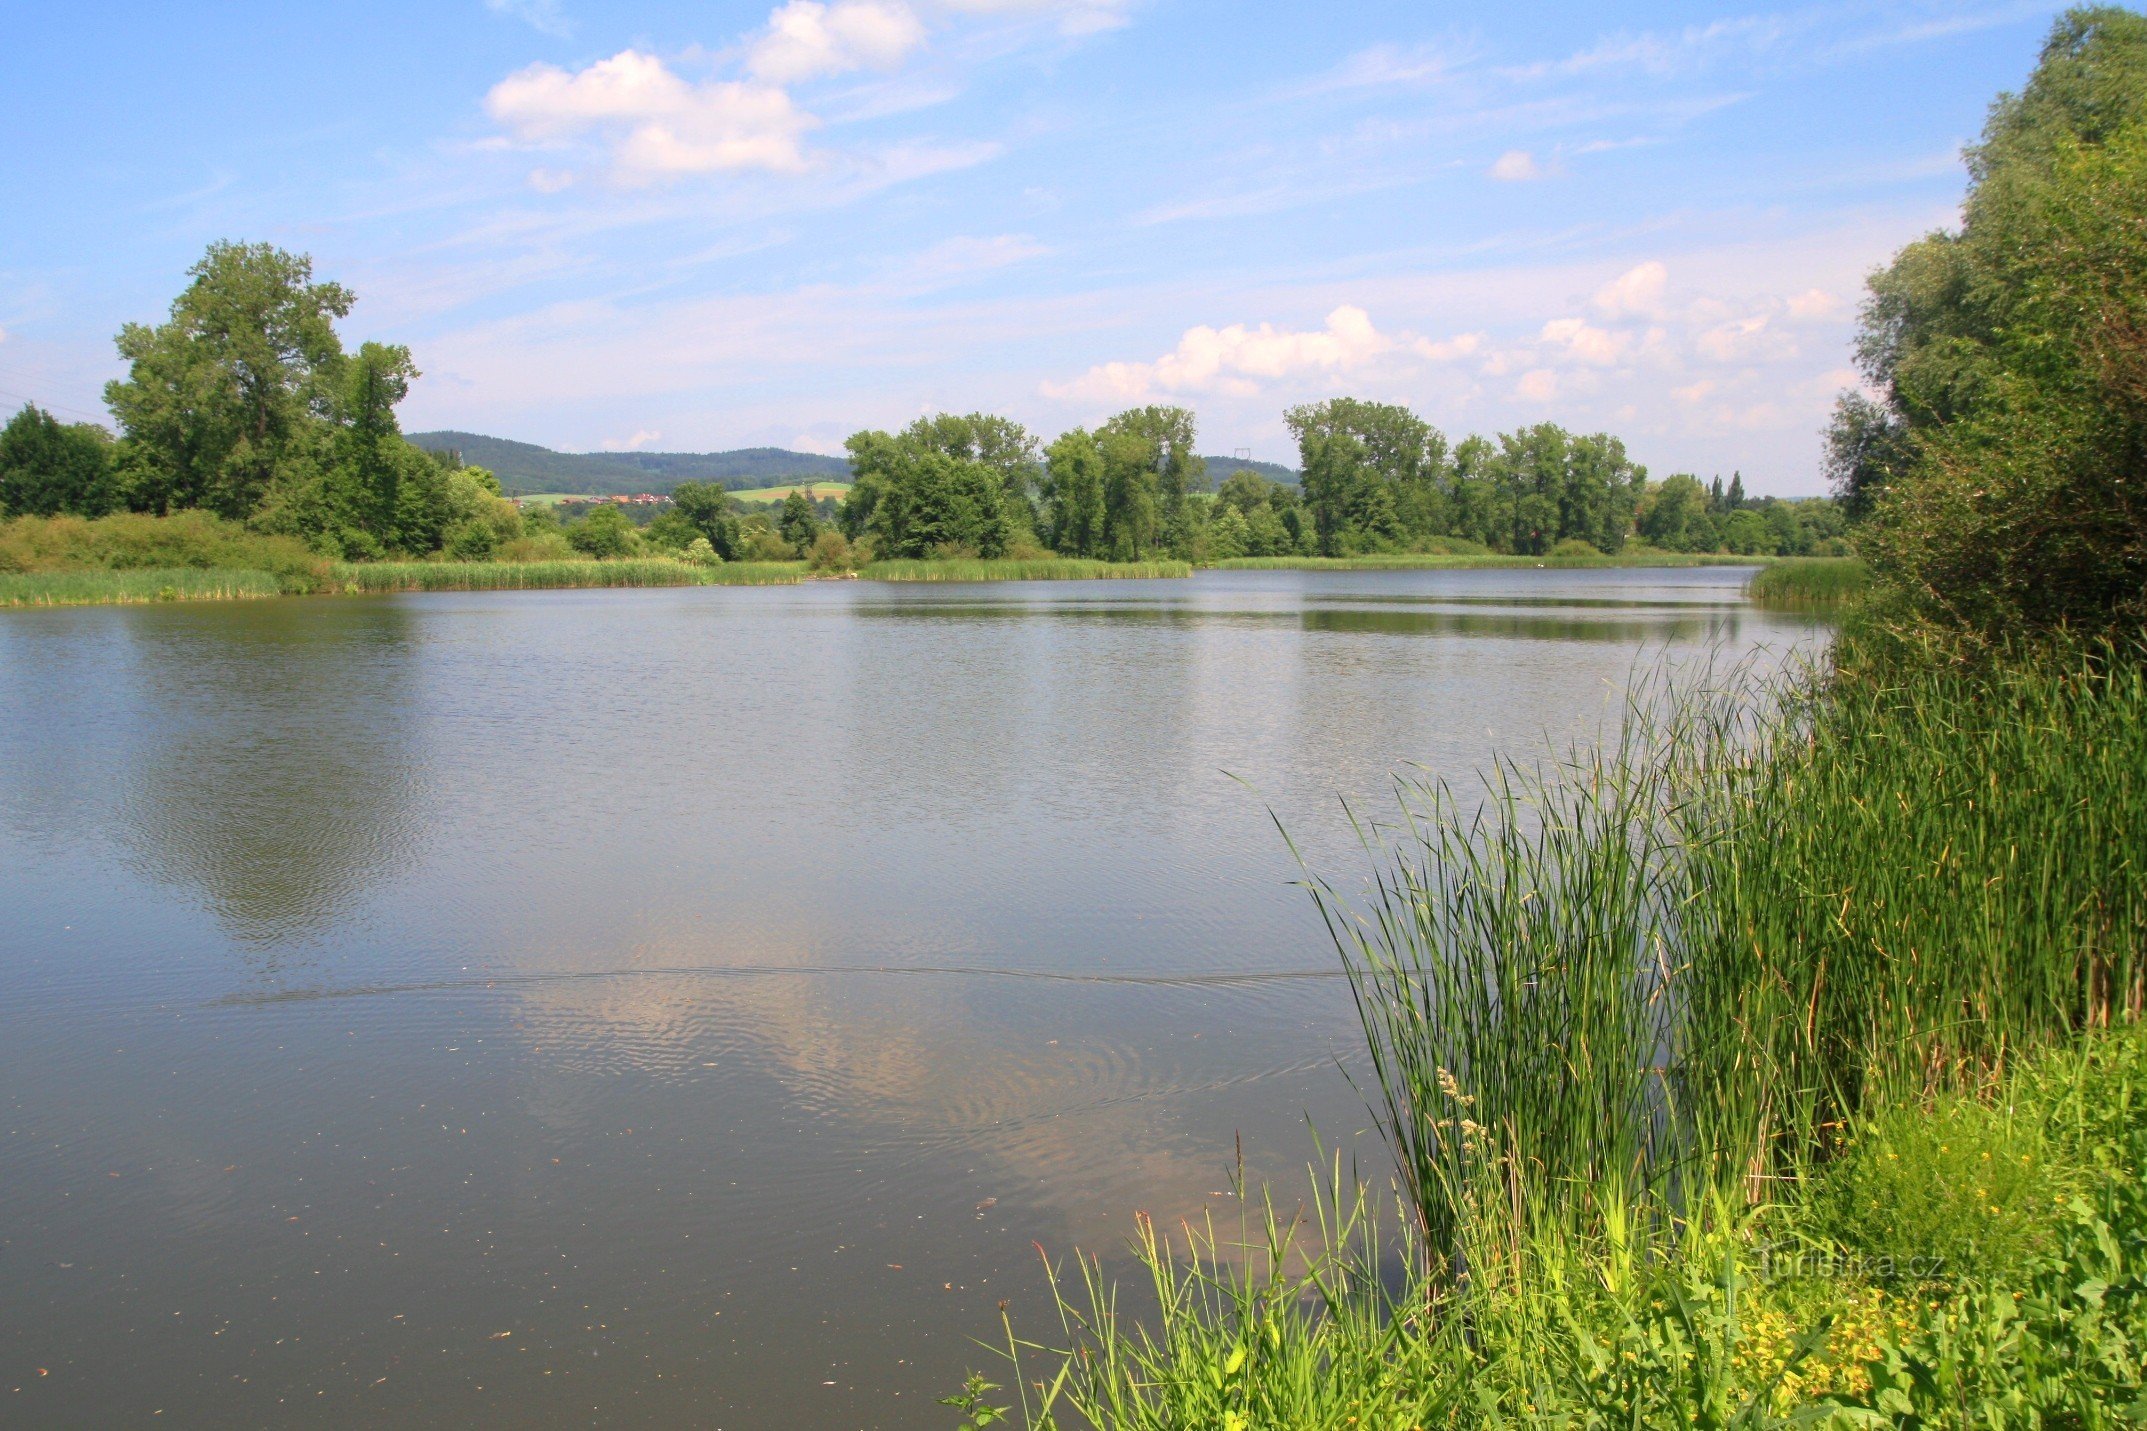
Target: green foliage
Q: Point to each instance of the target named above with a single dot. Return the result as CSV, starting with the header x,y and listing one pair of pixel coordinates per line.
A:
x,y
798,525
605,532
98,586
942,486
48,467
1958,1189
1809,584
710,513
1610,1013
127,541
2001,466
227,397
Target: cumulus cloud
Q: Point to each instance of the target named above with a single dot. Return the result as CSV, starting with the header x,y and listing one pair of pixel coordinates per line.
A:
x,y
1584,342
653,122
1814,304
642,437
805,40
1446,350
1516,166
1638,292
1537,385
1235,359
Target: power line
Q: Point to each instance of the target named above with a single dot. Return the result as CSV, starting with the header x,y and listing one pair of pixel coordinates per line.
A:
x,y
56,407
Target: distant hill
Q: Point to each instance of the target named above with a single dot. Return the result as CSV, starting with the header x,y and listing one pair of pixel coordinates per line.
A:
x,y
1220,469
526,467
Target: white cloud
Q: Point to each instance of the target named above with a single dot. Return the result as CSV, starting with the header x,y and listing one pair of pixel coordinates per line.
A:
x,y
805,39
653,122
642,437
1075,17
1516,166
1635,293
1381,66
1446,350
1738,340
1230,360
1537,385
1585,343
550,181
1814,304
1694,392
963,255
543,16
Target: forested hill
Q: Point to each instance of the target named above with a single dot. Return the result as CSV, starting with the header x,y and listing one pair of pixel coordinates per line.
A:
x,y
1220,468
526,467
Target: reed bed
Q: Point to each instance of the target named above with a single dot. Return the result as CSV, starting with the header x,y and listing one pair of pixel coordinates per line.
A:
x,y
356,577
1042,569
1809,583
1643,1015
96,586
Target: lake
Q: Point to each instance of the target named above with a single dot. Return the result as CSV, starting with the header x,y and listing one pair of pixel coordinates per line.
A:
x,y
689,1007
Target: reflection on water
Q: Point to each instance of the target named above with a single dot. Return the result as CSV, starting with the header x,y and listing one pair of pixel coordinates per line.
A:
x,y
688,1006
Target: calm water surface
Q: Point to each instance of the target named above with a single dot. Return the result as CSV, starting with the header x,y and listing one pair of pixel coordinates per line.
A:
x,y
688,1007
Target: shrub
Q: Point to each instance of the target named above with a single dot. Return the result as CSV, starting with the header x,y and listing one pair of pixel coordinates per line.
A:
x,y
831,552
1958,1190
700,553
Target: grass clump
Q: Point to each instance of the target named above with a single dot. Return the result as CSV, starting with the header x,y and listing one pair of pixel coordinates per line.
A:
x,y
1038,569
1809,583
100,587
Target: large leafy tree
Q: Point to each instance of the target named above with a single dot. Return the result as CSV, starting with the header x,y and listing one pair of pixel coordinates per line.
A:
x,y
932,489
1149,470
2003,457
708,509
1073,483
233,388
48,467
1373,473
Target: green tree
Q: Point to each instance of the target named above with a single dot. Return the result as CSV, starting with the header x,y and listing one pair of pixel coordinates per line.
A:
x,y
604,533
233,388
919,499
1074,483
708,509
1149,468
1670,517
798,525
2010,361
1374,473
48,467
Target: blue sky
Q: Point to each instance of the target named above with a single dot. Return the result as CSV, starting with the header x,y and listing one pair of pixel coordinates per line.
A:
x,y
688,227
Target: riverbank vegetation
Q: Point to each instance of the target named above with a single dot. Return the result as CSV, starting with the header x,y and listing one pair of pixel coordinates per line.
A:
x,y
244,407
1810,583
1777,1061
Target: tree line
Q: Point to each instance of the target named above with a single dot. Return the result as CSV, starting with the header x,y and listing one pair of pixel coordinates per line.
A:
x,y
1377,478
245,403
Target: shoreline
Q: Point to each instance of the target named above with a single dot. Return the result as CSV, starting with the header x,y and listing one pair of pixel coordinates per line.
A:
x,y
151,586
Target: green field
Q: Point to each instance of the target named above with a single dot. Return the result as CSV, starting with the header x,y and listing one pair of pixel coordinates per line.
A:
x,y
835,491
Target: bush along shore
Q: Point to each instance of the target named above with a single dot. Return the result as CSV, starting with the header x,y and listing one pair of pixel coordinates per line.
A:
x,y
193,555
1777,1061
